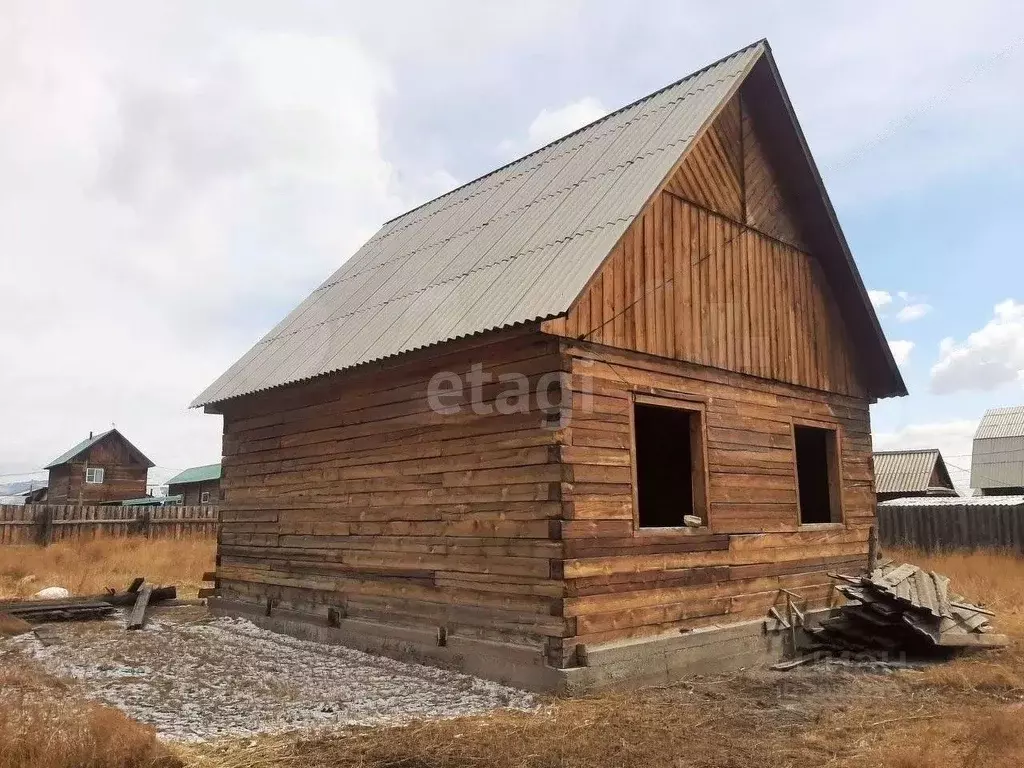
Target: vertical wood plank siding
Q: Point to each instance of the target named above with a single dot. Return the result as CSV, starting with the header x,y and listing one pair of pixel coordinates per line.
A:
x,y
710,274
352,494
706,290
48,523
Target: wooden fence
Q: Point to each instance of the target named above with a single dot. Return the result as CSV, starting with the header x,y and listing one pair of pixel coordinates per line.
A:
x,y
971,524
46,523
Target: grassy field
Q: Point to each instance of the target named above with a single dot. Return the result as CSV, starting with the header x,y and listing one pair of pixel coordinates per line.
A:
x,y
90,566
968,713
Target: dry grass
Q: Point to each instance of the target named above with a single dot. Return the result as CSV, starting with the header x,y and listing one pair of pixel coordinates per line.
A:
x,y
995,580
88,566
834,719
44,725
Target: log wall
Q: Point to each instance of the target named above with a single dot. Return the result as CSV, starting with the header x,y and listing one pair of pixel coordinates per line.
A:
x,y
349,497
624,582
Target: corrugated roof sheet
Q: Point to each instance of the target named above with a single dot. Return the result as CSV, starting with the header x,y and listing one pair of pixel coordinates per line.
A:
x,y
514,246
68,455
89,442
997,458
905,471
1001,422
955,501
201,474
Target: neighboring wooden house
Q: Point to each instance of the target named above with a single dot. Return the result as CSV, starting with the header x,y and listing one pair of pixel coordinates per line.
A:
x,y
103,467
197,485
904,474
997,458
547,424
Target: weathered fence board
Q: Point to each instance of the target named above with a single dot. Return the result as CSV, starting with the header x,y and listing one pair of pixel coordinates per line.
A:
x,y
968,525
47,523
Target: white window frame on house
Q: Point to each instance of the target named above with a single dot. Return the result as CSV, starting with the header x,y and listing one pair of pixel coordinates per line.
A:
x,y
204,497
94,475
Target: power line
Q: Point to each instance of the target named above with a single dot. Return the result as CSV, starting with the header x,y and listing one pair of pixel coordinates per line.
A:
x,y
713,250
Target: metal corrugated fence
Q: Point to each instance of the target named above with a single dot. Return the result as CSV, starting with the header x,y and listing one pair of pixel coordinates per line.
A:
x,y
963,524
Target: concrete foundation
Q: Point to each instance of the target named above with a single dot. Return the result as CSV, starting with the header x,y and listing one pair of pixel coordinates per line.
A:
x,y
630,663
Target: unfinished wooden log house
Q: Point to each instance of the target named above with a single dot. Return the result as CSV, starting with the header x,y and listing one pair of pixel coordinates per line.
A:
x,y
699,348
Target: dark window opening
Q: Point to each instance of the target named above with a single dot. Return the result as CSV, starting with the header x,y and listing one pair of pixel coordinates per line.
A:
x,y
669,465
816,473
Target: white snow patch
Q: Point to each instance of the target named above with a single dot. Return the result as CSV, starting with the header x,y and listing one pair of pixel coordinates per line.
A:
x,y
53,593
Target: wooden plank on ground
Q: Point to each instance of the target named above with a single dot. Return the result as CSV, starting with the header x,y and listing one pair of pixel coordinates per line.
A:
x,y
138,615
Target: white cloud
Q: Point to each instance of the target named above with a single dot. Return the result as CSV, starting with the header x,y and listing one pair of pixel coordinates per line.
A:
x,y
988,358
953,438
913,312
164,203
901,350
913,308
551,124
880,299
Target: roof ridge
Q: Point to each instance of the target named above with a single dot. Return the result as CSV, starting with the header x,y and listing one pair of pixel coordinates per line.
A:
x,y
763,42
906,450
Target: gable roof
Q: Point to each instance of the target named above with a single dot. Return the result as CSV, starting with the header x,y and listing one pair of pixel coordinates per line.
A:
x,y
516,245
88,443
201,474
1001,422
997,458
908,471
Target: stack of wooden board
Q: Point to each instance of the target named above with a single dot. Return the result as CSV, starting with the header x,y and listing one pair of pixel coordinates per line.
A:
x,y
93,607
36,611
905,609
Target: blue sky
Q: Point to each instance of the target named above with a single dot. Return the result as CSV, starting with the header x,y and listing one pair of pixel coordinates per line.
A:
x,y
174,179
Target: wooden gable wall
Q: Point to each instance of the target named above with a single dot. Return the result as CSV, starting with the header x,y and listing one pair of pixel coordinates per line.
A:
x,y
715,272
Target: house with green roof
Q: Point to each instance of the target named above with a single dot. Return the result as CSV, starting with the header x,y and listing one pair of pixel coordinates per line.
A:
x,y
197,485
101,468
